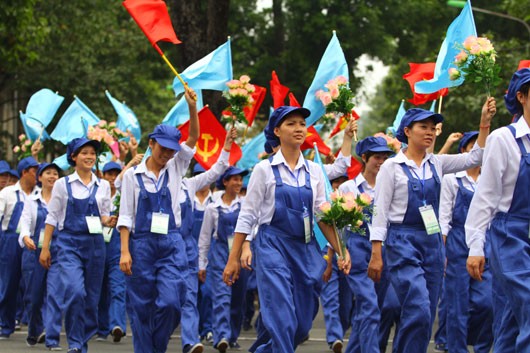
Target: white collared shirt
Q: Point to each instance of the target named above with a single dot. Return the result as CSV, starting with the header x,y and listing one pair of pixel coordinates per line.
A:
x,y
59,199
28,220
354,185
175,168
339,167
448,197
201,206
209,226
258,206
8,199
391,194
497,182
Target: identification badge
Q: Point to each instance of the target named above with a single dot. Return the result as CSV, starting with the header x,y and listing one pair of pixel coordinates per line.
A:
x,y
94,225
307,226
429,219
230,240
41,239
107,234
160,223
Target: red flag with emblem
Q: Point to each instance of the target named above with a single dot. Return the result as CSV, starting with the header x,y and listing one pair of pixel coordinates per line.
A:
x,y
314,137
211,140
278,91
523,64
419,72
258,96
342,123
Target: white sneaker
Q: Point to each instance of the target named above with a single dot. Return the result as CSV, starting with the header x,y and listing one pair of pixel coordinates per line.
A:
x,y
336,347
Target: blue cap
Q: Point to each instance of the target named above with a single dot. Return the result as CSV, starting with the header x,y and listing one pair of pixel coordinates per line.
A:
x,y
278,115
4,167
26,163
43,167
76,144
227,174
468,136
111,166
14,173
167,136
372,144
519,78
412,115
268,147
198,169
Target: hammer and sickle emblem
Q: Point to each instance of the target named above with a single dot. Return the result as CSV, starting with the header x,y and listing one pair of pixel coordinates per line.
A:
x,y
205,153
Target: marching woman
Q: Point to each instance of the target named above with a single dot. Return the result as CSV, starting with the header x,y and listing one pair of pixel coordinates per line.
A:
x,y
219,223
468,301
502,201
79,206
373,151
283,193
406,219
153,253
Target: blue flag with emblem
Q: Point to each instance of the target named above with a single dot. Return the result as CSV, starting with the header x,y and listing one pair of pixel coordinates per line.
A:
x,y
211,72
127,120
180,113
462,27
332,64
74,122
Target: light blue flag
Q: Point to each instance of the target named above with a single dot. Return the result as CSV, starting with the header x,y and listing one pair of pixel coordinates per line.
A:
x,y
251,151
127,120
332,64
211,72
321,239
43,105
74,122
462,27
104,158
62,162
33,128
395,125
433,106
180,113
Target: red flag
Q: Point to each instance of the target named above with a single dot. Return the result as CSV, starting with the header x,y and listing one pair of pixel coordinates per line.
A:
x,y
314,137
523,64
355,168
153,19
342,123
258,96
211,140
293,102
420,72
278,91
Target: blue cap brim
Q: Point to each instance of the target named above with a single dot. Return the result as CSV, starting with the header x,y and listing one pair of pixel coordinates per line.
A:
x,y
168,143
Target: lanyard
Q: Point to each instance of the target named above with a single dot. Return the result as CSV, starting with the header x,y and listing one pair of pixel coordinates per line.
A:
x,y
297,185
422,182
157,184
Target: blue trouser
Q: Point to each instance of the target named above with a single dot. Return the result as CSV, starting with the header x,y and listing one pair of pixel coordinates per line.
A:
x,y
190,313
390,313
28,266
205,306
415,262
440,336
81,264
54,300
252,288
35,294
156,290
337,301
10,276
505,329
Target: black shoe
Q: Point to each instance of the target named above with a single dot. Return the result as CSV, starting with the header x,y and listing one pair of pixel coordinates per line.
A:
x,y
4,337
42,338
235,346
74,350
440,347
222,346
196,348
117,334
31,341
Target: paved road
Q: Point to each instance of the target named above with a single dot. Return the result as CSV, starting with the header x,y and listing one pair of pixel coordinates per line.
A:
x,y
316,344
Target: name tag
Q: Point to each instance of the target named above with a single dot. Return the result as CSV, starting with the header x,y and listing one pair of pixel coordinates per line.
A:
x,y
160,223
429,219
94,225
307,226
230,240
107,234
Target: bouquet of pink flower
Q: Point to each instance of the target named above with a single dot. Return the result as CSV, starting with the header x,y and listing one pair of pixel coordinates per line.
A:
x,y
23,149
476,62
108,134
343,212
338,99
239,96
392,142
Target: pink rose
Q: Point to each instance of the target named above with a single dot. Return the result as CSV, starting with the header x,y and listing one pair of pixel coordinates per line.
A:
x,y
21,137
341,80
325,98
16,149
359,223
461,58
27,142
325,207
244,79
102,123
334,93
485,44
365,198
454,74
475,49
335,195
233,84
349,205
112,124
23,148
331,86
470,42
349,197
319,93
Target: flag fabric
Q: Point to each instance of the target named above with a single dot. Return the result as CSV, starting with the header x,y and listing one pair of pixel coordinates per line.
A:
x,y
40,111
433,107
153,19
33,128
312,138
327,183
62,162
127,120
397,120
211,72
258,96
251,152
523,64
74,122
180,113
462,27
211,140
293,102
332,64
355,168
342,123
278,91
420,72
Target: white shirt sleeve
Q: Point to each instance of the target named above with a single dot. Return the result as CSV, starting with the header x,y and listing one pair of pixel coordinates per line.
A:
x,y
338,167
249,214
27,223
3,202
103,197
201,180
447,202
57,205
452,163
384,193
182,159
205,235
127,201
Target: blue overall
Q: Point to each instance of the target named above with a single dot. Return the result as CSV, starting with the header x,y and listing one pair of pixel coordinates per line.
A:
x,y
10,269
440,336
28,266
469,305
227,301
156,290
112,301
287,268
415,261
80,259
189,326
337,304
390,313
510,251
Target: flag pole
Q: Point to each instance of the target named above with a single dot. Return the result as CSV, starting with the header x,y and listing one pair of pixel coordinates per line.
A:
x,y
440,105
164,57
